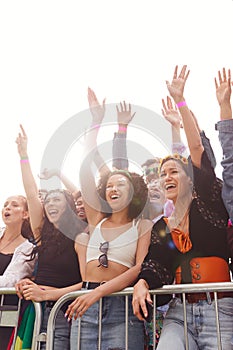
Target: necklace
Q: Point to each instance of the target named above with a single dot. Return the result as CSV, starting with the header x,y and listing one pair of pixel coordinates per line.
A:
x,y
6,245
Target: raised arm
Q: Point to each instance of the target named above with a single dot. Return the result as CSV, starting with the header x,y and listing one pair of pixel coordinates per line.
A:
x,y
119,149
225,128
97,112
34,204
87,181
176,90
172,115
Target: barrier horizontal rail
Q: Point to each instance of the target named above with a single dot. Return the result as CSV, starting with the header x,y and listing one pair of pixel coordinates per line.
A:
x,y
166,289
38,316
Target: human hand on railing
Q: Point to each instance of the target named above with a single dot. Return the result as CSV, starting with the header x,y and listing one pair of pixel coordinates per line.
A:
x,y
80,305
19,286
97,110
176,87
31,291
141,296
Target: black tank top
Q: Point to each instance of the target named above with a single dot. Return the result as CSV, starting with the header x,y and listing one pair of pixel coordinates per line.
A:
x,y
58,266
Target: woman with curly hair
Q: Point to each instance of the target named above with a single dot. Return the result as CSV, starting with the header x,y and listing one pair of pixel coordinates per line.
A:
x,y
115,251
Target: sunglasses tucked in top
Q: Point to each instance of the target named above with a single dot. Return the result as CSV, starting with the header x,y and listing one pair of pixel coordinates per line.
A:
x,y
103,258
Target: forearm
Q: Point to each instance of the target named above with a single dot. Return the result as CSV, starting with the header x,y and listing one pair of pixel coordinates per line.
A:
x,y
176,138
50,293
100,163
120,282
29,182
225,128
119,149
225,111
192,134
87,180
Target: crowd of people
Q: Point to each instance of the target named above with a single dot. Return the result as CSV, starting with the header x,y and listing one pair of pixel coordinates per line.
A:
x,y
171,225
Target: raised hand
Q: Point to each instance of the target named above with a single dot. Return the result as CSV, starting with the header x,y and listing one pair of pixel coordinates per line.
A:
x,y
171,114
97,110
223,87
124,114
176,87
48,173
22,141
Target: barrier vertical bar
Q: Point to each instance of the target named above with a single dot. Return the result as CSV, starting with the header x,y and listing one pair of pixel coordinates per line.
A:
x,y
185,322
126,322
100,323
217,321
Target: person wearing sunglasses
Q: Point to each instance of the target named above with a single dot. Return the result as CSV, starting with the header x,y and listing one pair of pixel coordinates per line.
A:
x,y
115,251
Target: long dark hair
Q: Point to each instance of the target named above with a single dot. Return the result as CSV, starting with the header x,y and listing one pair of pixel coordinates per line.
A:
x,y
69,226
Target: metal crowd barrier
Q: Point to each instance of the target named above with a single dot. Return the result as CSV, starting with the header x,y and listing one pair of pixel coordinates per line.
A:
x,y
9,317
181,289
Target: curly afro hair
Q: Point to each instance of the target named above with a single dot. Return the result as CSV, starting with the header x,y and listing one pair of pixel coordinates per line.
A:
x,y
139,196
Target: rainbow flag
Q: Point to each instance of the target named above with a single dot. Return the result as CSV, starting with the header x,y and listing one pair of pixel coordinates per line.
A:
x,y
25,330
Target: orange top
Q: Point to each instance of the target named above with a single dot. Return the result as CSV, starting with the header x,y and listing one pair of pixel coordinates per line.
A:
x,y
181,239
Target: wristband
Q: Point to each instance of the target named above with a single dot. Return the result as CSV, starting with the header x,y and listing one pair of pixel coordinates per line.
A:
x,y
24,160
96,126
181,104
122,128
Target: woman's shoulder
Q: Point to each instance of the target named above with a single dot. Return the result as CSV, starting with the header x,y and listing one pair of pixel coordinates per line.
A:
x,y
25,247
144,225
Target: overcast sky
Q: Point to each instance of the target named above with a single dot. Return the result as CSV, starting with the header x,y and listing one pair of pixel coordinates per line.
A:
x,y
52,50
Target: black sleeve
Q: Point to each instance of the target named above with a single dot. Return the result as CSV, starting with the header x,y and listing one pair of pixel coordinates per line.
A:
x,y
119,151
208,189
156,268
208,148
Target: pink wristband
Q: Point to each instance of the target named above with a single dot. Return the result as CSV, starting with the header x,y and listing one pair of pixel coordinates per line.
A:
x,y
24,160
181,104
96,126
122,128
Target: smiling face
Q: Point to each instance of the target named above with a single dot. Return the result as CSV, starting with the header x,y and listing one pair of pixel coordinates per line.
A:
x,y
156,192
119,192
14,210
55,205
175,181
80,208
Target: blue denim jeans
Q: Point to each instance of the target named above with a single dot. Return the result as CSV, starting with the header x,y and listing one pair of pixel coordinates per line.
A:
x,y
201,322
62,330
113,327
225,128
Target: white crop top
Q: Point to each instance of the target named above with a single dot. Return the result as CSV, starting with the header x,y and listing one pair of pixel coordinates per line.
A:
x,y
122,249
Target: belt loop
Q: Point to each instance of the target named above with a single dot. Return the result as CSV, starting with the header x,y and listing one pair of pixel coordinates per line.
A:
x,y
208,297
